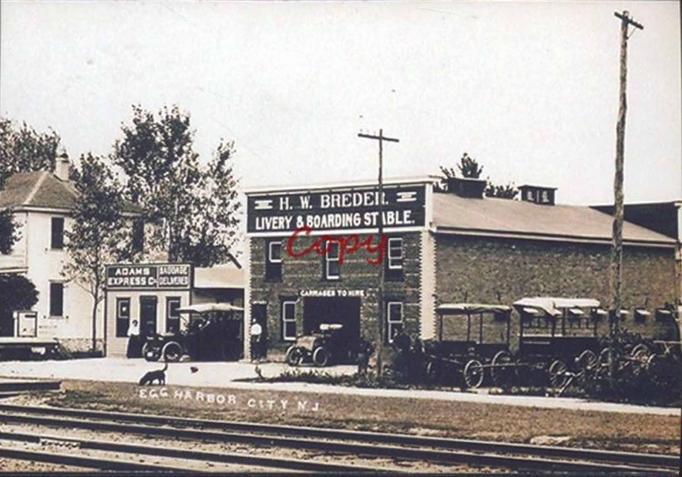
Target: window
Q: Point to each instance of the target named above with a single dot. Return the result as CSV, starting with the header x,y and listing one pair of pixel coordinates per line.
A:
x,y
57,242
138,236
394,320
394,259
56,299
122,317
332,269
172,315
395,253
288,320
273,260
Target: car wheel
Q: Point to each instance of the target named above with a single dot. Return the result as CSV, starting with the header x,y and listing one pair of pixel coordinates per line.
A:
x,y
294,356
172,351
321,357
151,352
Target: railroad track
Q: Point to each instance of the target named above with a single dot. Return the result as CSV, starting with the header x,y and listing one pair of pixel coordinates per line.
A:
x,y
400,447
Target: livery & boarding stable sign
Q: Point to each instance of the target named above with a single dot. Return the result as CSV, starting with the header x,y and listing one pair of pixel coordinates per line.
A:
x,y
149,276
402,206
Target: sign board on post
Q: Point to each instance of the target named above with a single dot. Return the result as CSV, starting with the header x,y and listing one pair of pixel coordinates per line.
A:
x,y
149,276
26,323
403,206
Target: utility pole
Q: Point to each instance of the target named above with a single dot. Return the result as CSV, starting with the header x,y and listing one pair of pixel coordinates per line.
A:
x,y
380,293
616,269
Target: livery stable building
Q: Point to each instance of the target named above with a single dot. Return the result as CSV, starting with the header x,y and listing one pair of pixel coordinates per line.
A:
x,y
312,257
153,293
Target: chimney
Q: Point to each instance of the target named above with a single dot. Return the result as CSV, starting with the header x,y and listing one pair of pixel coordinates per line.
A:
x,y
467,187
62,166
538,194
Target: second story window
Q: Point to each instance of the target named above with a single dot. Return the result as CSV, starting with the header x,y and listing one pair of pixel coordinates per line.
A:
x,y
332,268
273,260
57,236
394,259
395,253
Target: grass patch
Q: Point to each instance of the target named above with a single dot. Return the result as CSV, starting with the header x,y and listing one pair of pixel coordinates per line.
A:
x,y
619,431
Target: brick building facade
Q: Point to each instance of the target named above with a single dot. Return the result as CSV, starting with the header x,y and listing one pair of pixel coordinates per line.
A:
x,y
456,247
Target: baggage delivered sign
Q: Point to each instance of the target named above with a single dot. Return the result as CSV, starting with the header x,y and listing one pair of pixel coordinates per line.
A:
x,y
402,206
150,276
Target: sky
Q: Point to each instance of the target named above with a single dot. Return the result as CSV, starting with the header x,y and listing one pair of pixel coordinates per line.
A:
x,y
530,90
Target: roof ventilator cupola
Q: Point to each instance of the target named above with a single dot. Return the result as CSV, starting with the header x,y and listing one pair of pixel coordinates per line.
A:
x,y
538,194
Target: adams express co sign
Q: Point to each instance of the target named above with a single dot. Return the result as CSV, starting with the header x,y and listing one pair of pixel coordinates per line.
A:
x,y
150,276
403,206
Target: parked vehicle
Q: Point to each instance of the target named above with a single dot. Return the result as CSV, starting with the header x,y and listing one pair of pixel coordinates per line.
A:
x,y
465,358
213,333
321,348
557,337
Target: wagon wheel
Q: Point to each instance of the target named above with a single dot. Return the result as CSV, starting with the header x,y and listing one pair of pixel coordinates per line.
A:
x,y
604,357
587,360
639,358
503,370
432,370
294,356
640,352
558,373
473,373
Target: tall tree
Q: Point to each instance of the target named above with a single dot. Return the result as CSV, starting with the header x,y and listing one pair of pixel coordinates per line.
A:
x,y
195,206
468,167
99,233
23,149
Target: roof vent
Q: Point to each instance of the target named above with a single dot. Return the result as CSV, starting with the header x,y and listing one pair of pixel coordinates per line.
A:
x,y
466,187
538,194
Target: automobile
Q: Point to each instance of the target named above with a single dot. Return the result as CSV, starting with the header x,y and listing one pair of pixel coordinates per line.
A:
x,y
321,348
170,346
211,334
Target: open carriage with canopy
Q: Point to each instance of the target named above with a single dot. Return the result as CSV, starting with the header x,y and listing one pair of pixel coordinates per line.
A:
x,y
464,355
558,335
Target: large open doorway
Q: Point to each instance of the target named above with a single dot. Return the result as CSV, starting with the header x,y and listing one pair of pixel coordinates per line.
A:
x,y
344,311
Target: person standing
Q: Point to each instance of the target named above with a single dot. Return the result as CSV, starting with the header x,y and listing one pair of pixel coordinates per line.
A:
x,y
134,342
256,338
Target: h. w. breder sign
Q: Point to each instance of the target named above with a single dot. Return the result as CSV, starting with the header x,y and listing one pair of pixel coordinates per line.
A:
x,y
402,206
